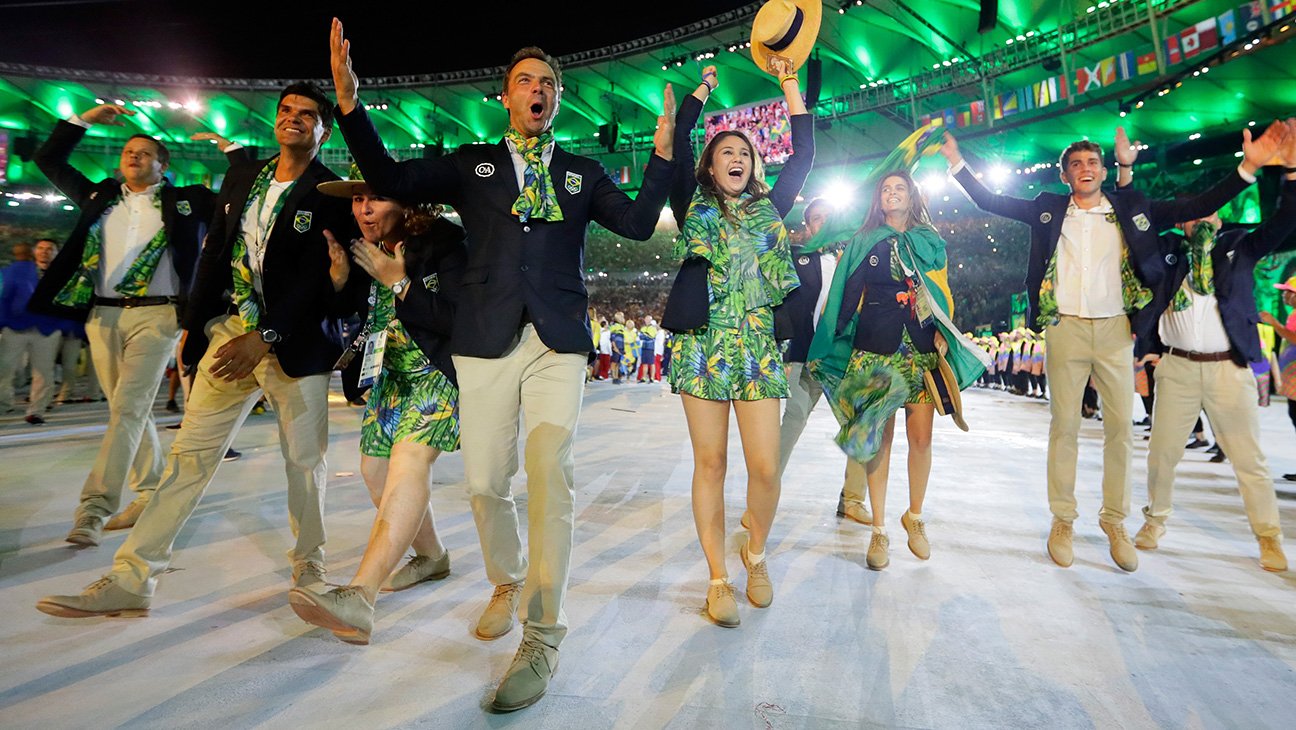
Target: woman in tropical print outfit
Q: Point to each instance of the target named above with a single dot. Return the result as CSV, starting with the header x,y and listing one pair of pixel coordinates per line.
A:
x,y
731,218
415,259
892,307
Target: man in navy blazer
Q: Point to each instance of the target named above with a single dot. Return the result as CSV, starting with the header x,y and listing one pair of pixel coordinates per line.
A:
x,y
521,334
131,336
802,309
1092,261
1202,326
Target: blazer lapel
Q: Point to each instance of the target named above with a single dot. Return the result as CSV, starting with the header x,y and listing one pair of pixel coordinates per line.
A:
x,y
238,200
169,211
304,186
504,168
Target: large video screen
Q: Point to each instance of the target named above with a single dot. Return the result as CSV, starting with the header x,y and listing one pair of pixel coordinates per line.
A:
x,y
765,123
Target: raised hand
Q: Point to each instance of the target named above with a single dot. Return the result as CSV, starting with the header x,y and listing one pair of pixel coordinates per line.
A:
x,y
107,114
1288,149
1258,151
664,137
1125,152
345,83
221,142
710,78
780,66
950,150
386,270
339,263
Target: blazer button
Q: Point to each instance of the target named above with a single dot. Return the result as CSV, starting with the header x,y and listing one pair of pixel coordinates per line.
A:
x,y
526,229
525,267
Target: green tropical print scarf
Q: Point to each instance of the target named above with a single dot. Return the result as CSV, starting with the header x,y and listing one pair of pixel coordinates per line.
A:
x,y
79,291
1134,296
751,260
1201,269
536,199
245,296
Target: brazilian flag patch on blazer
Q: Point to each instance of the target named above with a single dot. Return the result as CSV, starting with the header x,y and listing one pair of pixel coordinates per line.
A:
x,y
302,221
573,183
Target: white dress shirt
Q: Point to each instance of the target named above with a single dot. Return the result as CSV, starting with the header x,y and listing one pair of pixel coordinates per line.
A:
x,y
1089,263
1199,328
827,267
127,228
257,224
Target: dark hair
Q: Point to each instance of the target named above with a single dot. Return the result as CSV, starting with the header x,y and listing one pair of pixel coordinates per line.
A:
x,y
918,215
756,185
538,54
1083,145
805,217
163,154
312,91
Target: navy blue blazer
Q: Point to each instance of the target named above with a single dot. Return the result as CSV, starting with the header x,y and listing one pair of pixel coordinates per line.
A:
x,y
1234,260
186,212
1140,220
515,269
799,305
300,303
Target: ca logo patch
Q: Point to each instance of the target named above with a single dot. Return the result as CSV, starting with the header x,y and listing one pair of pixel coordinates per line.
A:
x,y
302,221
1171,259
485,169
1141,222
573,183
803,260
432,283
183,207
873,260
1045,217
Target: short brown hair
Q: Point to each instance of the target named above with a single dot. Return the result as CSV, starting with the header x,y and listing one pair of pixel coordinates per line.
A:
x,y
537,53
1083,145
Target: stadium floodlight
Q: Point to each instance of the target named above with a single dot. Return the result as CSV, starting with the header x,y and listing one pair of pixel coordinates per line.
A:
x,y
999,174
838,194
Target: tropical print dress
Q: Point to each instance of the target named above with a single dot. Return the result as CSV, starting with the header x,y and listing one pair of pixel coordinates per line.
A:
x,y
735,356
411,400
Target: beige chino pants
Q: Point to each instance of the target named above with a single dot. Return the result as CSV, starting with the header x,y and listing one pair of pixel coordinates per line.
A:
x,y
804,393
546,388
129,348
213,414
1228,395
1077,349
41,352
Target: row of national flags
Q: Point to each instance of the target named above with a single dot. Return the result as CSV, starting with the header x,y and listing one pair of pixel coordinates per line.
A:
x,y
1181,47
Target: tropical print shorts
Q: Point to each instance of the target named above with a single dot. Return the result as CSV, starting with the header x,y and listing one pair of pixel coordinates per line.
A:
x,y
419,407
729,364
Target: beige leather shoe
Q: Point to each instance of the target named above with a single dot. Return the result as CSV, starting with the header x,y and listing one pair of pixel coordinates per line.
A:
x,y
527,678
418,569
127,517
497,619
721,607
1122,550
101,598
1059,543
760,591
87,531
918,544
853,510
877,557
1272,558
1149,536
345,611
310,574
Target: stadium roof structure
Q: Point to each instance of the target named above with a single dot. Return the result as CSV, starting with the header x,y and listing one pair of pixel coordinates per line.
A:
x,y
886,65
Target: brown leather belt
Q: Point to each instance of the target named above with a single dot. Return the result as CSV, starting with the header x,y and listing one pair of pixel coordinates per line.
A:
x,y
129,302
1201,356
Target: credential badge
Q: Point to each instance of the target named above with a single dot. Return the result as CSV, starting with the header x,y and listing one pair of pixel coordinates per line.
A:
x,y
302,221
183,207
1141,222
485,169
1045,217
573,183
432,283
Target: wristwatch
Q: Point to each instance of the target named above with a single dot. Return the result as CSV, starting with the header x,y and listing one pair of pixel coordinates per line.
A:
x,y
269,336
400,286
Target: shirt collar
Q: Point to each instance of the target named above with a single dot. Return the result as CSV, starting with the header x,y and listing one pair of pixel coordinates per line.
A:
x,y
150,191
548,149
1102,208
